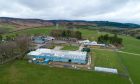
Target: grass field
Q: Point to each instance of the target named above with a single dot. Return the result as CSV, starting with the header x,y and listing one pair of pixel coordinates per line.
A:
x,y
20,72
40,30
109,59
70,47
7,26
132,62
131,44
34,74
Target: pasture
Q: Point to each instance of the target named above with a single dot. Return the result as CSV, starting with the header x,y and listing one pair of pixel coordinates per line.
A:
x,y
109,59
34,74
21,72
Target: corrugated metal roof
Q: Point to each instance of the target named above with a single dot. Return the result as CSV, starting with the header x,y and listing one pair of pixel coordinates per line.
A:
x,y
60,53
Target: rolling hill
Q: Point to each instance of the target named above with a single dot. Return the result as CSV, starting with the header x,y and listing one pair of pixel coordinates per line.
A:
x,y
26,23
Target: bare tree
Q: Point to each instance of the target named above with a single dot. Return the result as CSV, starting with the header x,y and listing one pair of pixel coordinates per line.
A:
x,y
23,43
8,51
14,49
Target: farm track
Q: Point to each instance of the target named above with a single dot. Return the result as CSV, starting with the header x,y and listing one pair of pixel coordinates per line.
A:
x,y
120,51
128,53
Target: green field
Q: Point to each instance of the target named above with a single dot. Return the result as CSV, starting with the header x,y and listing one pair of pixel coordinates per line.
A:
x,y
110,59
8,27
70,47
132,62
41,30
132,45
34,74
21,72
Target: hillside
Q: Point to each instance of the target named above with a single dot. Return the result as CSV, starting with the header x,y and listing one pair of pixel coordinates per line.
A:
x,y
26,23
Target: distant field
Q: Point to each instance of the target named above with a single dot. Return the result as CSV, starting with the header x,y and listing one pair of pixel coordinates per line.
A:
x,y
7,27
32,31
21,72
40,30
131,45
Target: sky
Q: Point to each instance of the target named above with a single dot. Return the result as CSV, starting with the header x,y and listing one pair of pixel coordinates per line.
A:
x,y
126,11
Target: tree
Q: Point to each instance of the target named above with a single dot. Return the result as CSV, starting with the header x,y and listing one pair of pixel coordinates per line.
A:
x,y
138,37
70,25
115,35
8,50
106,38
78,35
86,50
101,39
63,34
13,49
66,33
115,40
1,37
23,43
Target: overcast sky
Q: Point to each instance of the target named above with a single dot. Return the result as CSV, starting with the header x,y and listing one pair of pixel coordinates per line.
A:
x,y
108,10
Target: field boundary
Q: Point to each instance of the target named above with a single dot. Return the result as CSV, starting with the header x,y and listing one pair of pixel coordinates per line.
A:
x,y
128,53
125,67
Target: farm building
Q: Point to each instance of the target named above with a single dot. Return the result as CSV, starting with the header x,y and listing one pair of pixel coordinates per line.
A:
x,y
94,44
42,39
84,41
109,70
45,55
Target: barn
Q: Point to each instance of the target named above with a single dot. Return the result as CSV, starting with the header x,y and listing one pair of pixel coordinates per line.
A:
x,y
42,39
45,55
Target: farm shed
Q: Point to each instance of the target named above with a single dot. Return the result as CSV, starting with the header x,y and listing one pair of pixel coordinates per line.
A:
x,y
39,40
42,39
83,41
59,56
109,70
93,43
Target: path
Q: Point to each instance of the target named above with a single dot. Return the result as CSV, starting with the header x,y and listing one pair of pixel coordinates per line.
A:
x,y
120,51
129,53
80,47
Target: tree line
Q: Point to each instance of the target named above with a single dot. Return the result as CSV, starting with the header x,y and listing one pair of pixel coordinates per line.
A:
x,y
66,34
14,49
106,39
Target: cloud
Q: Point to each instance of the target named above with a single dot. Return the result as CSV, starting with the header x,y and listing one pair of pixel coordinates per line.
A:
x,y
111,10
